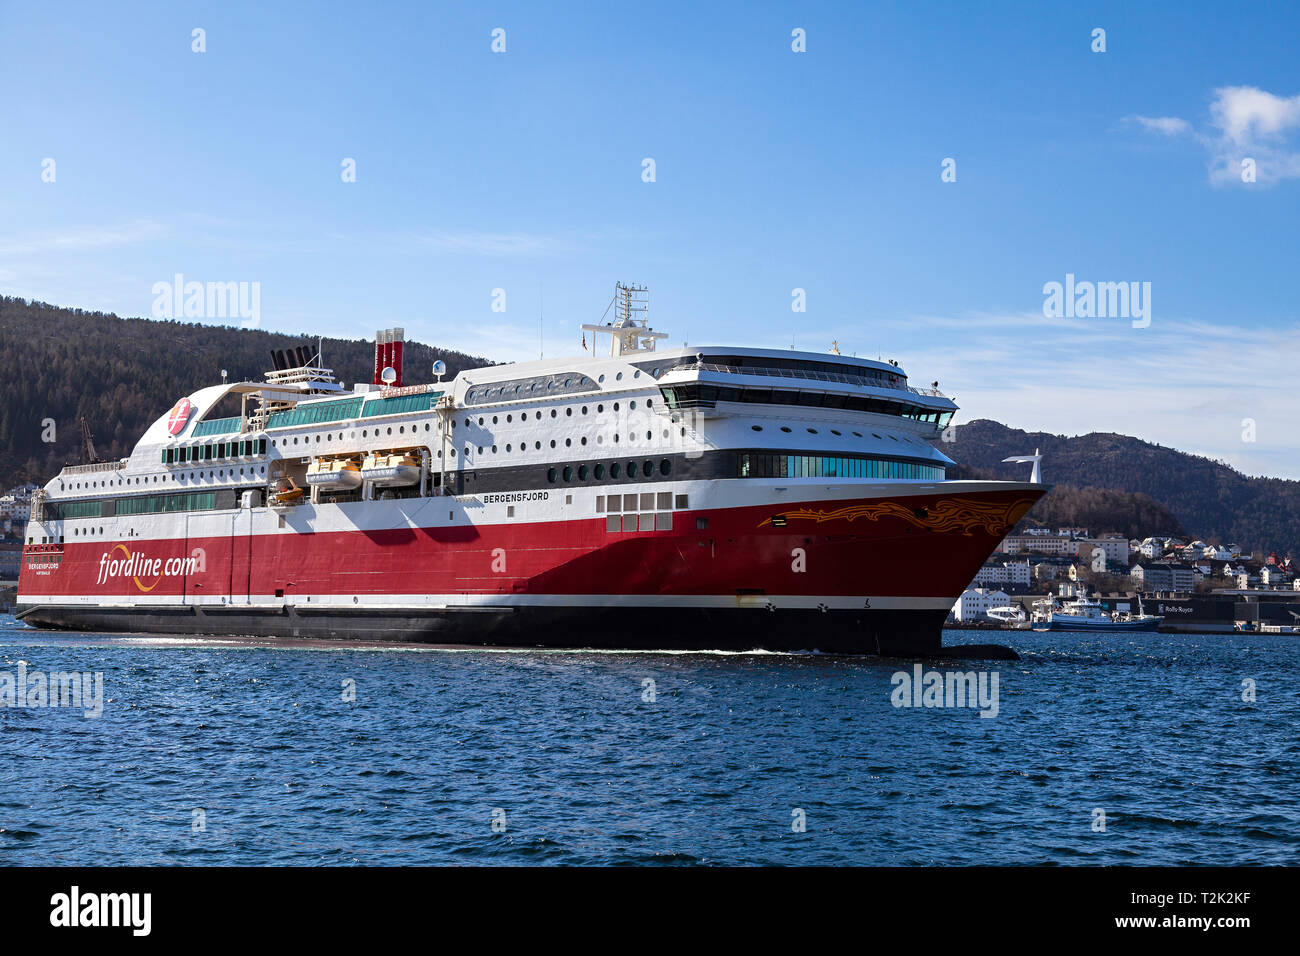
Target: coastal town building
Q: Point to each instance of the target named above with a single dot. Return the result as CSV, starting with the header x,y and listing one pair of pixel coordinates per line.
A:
x,y
1004,573
1114,549
975,603
1163,576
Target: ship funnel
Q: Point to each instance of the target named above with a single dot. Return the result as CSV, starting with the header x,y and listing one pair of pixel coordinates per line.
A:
x,y
388,355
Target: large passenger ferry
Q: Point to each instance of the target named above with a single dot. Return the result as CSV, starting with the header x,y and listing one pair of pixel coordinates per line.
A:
x,y
645,497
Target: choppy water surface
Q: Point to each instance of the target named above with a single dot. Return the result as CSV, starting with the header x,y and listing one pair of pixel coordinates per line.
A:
x,y
1149,728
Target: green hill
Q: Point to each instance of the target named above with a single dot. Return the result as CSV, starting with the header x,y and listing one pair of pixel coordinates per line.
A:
x,y
1209,499
59,364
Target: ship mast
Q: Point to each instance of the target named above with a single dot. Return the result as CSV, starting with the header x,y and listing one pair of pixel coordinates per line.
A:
x,y
630,331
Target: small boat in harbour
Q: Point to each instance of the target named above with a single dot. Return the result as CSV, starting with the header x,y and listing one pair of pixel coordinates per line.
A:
x,y
1087,614
1012,617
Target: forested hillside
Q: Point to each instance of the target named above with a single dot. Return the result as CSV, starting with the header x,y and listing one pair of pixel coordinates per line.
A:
x,y
121,374
1208,498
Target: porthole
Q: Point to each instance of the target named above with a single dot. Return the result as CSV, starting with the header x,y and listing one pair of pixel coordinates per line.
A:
x,y
618,377
552,442
584,439
616,406
600,408
785,428
480,420
649,435
507,448
509,419
665,466
390,429
582,472
552,413
467,423
584,409
632,405
568,442
537,446
494,419
599,472
615,469
539,416
568,413
551,475
568,472
600,379
631,469
834,432
757,428
858,434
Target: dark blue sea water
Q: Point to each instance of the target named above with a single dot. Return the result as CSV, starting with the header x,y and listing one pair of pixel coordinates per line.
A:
x,y
1150,729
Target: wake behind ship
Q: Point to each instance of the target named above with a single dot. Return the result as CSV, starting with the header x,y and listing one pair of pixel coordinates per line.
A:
x,y
727,497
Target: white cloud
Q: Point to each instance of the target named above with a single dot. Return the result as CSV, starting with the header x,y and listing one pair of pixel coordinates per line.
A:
x,y
1183,384
1169,125
1246,114
1246,123
496,244
78,238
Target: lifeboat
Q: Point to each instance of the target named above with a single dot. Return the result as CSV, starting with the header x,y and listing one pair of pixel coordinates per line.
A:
x,y
391,469
284,491
334,474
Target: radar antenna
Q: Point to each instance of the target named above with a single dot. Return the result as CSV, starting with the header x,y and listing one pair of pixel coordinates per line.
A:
x,y
630,331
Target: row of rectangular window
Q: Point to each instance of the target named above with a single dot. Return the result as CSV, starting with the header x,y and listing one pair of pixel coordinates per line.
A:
x,y
646,501
824,466
697,395
650,521
216,451
160,504
317,413
58,510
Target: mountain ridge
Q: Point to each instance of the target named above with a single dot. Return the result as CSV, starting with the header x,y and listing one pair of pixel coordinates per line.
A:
x,y
1210,498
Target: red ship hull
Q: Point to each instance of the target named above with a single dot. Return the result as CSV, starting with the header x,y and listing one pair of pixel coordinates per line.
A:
x,y
868,575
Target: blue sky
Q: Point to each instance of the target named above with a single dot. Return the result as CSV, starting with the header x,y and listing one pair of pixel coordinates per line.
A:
x,y
774,170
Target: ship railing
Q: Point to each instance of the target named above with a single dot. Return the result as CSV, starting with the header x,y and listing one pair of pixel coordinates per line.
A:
x,y
809,374
93,467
